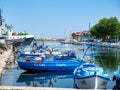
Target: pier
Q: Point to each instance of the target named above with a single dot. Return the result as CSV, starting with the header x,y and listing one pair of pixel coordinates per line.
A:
x,y
33,88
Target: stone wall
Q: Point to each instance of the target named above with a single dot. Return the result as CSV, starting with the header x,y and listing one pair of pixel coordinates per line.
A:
x,y
6,57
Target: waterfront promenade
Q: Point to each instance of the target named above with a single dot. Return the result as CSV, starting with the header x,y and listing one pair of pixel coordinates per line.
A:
x,y
32,88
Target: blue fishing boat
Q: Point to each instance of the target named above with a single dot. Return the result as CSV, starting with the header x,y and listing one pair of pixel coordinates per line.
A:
x,y
34,51
88,75
48,64
59,55
46,50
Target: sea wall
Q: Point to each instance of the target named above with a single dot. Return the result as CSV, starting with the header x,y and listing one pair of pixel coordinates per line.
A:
x,y
6,57
32,88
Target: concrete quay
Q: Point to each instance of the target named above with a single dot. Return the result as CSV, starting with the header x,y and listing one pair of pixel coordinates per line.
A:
x,y
32,88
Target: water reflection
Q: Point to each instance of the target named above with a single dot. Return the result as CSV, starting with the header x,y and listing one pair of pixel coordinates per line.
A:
x,y
43,78
110,58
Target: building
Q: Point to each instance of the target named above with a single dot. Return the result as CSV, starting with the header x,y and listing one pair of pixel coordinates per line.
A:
x,y
81,35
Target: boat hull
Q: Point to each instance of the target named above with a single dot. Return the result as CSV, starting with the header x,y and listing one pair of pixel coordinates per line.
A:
x,y
23,41
59,65
91,82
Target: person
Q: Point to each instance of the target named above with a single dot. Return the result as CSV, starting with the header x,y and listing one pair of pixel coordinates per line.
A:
x,y
50,83
47,54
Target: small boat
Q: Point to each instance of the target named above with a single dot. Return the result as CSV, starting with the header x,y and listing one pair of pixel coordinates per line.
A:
x,y
59,56
46,79
116,77
30,53
90,76
44,50
35,51
49,63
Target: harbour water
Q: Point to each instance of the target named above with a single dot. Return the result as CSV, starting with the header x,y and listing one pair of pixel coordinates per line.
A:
x,y
18,77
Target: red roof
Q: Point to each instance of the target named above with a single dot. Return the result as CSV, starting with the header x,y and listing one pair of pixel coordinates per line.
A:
x,y
82,33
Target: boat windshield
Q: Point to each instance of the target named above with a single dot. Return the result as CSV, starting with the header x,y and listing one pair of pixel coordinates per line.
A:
x,y
37,58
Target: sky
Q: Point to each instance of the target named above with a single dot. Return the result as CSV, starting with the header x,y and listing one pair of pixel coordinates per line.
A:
x,y
56,18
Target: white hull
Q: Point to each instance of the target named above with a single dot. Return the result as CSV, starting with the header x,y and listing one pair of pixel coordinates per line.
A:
x,y
94,82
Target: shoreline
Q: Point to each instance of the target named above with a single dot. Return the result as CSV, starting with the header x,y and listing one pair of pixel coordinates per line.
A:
x,y
33,88
6,57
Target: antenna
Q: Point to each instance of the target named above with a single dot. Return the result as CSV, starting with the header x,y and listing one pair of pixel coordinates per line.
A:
x,y
89,34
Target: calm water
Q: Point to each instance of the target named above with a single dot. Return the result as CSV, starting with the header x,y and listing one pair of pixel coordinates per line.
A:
x,y
18,77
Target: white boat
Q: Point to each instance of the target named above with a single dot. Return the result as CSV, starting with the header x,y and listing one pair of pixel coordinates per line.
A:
x,y
88,75
7,31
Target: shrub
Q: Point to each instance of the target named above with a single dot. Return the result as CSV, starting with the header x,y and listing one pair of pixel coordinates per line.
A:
x,y
2,45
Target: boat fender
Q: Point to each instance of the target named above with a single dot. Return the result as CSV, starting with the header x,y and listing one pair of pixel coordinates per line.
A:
x,y
68,52
27,60
39,60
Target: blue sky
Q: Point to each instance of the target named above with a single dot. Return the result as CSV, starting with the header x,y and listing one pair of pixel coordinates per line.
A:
x,y
56,18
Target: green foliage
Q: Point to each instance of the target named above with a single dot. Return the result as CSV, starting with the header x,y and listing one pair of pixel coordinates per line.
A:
x,y
106,28
2,45
74,35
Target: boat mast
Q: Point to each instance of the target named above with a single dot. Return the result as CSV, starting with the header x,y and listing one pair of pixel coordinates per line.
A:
x,y
89,34
0,18
88,42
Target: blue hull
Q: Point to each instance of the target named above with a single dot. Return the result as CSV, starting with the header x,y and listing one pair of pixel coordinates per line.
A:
x,y
58,65
88,70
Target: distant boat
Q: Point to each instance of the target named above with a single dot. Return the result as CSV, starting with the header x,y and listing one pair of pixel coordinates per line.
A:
x,y
49,63
88,75
12,37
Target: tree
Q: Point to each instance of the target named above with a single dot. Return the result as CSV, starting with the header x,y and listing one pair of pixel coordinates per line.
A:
x,y
73,35
106,28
